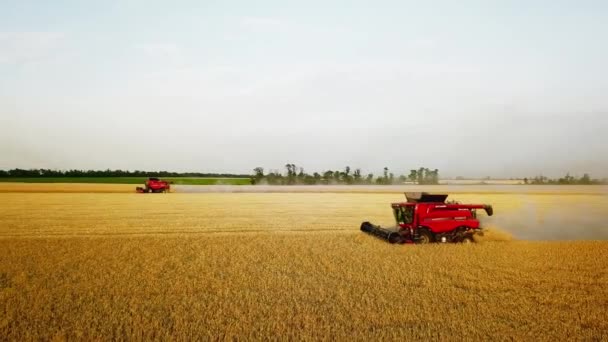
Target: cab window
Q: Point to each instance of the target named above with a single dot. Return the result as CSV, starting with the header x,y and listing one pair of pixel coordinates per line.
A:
x,y
404,214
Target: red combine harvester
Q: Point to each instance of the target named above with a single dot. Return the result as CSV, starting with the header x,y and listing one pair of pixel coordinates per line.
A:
x,y
427,218
154,185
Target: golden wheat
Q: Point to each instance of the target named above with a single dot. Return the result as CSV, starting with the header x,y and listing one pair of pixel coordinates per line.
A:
x,y
65,188
252,266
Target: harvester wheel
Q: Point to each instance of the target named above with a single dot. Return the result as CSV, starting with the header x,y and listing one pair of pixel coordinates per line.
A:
x,y
468,239
424,237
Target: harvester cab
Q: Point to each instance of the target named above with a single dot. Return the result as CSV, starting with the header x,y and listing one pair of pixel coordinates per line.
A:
x,y
426,218
404,214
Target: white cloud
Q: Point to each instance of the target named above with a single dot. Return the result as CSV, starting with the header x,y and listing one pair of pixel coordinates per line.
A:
x,y
28,47
260,23
166,53
423,43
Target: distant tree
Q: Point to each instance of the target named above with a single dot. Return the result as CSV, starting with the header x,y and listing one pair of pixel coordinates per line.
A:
x,y
301,175
385,178
309,180
275,178
357,176
413,176
328,176
427,176
586,180
346,177
565,180
258,175
424,176
421,175
434,177
337,176
291,173
317,177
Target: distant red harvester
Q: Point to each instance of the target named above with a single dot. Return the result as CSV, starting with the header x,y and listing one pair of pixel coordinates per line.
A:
x,y
427,218
154,185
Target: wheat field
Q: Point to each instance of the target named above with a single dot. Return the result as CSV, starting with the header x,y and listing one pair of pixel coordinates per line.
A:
x,y
179,266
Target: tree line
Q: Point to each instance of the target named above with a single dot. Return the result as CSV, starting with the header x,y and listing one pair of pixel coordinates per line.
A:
x,y
585,179
48,173
295,175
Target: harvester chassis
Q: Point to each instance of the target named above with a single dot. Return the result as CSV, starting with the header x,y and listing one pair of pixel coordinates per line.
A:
x,y
154,185
427,218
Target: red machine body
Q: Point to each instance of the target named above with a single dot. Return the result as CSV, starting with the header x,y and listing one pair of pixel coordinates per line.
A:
x,y
428,218
154,185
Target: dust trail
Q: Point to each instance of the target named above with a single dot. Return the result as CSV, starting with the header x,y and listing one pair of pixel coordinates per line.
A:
x,y
492,233
552,221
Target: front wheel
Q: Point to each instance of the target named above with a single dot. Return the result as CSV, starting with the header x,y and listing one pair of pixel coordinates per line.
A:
x,y
468,239
424,237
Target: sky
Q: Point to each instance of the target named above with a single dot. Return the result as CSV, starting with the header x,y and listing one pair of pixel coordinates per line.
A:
x,y
473,88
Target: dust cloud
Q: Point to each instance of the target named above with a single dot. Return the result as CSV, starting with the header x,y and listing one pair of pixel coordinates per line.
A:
x,y
570,221
493,234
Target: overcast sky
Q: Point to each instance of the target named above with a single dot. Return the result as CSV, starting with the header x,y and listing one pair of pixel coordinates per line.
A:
x,y
474,88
